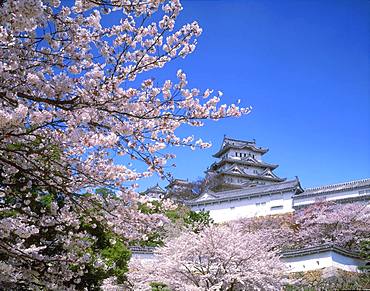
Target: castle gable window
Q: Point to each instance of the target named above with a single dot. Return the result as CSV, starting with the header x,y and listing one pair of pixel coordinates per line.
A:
x,y
277,207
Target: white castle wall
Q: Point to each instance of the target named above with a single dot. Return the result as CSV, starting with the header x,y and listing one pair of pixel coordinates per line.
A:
x,y
333,196
235,154
255,206
142,256
310,262
223,211
322,260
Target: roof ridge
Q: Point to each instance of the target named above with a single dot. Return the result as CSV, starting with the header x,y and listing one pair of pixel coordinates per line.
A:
x,y
322,247
260,186
249,191
241,140
337,184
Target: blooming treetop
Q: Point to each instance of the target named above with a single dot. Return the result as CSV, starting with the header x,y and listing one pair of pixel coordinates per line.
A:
x,y
71,97
276,230
341,224
217,258
69,81
345,225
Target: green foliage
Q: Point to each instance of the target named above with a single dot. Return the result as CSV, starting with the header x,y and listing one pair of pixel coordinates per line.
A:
x,y
14,146
296,288
365,254
157,286
106,246
104,192
178,215
181,216
155,207
340,280
47,199
111,249
154,239
198,220
117,257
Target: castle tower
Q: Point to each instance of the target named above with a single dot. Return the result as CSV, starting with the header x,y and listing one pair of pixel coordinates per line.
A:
x,y
154,193
240,165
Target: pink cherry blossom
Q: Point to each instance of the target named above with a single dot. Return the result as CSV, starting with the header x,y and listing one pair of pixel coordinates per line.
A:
x,y
217,258
72,99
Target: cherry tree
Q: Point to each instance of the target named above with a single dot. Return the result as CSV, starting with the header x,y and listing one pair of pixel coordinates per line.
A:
x,y
345,225
217,258
75,95
276,230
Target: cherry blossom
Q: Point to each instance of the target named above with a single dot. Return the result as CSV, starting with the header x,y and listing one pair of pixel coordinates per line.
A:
x,y
73,98
217,258
345,225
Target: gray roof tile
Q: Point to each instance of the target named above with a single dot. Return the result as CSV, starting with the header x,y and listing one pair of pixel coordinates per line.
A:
x,y
247,192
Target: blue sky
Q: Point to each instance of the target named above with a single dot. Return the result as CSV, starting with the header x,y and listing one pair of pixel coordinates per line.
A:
x,y
304,68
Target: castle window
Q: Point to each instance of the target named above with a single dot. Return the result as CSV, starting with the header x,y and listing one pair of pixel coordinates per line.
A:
x,y
320,199
364,192
278,207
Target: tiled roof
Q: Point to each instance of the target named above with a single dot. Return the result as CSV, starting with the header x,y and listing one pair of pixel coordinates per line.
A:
x,y
229,143
181,182
285,254
247,192
243,161
234,170
155,189
247,146
142,250
335,188
319,249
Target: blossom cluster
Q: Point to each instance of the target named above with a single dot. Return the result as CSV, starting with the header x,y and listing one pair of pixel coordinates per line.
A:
x,y
344,225
217,258
71,99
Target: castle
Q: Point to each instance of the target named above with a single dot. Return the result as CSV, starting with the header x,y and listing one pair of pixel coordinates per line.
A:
x,y
240,184
243,185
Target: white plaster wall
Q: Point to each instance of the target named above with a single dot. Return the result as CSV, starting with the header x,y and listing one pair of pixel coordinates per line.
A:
x,y
231,154
322,260
328,197
309,262
235,209
303,263
141,256
250,170
346,263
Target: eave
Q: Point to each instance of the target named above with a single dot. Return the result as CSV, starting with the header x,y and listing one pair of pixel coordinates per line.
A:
x,y
334,188
247,146
239,194
255,177
242,162
319,249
